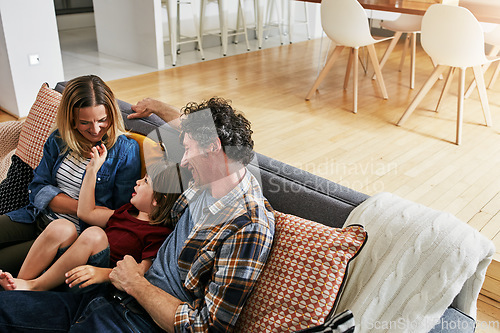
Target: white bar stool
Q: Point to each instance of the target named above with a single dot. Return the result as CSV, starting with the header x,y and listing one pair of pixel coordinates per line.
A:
x,y
272,5
223,23
174,27
291,19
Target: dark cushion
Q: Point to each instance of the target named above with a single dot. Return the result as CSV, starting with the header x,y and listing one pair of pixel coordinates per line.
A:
x,y
454,321
14,188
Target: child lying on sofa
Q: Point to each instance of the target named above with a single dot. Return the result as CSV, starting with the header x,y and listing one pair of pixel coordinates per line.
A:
x,y
137,228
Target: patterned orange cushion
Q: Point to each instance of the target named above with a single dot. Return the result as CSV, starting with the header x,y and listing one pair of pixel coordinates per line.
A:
x,y
38,125
302,277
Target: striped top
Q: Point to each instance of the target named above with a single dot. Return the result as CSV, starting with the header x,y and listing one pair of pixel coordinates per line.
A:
x,y
69,178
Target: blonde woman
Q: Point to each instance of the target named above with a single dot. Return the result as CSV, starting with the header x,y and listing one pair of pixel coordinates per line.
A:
x,y
87,116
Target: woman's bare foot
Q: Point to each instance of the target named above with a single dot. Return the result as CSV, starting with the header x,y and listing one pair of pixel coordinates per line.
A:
x,y
7,282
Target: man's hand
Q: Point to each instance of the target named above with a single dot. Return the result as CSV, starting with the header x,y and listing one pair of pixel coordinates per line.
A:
x,y
87,275
144,108
148,106
126,274
161,306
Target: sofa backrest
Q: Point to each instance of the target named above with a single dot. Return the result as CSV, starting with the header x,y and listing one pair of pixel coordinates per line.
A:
x,y
288,189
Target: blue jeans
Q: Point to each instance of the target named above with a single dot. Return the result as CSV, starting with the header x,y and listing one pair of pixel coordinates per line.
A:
x,y
37,311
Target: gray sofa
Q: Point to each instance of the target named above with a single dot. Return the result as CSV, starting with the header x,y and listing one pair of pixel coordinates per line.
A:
x,y
289,190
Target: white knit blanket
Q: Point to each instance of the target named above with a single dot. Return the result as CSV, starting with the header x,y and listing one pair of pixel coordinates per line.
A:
x,y
416,262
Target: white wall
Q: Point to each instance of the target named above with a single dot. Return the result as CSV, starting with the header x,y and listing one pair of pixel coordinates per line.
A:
x,y
75,21
28,27
131,30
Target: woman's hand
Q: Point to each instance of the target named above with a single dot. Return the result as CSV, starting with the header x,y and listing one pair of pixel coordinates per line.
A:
x,y
97,157
87,275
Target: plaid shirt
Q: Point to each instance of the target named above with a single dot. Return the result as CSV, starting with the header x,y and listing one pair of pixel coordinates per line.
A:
x,y
223,256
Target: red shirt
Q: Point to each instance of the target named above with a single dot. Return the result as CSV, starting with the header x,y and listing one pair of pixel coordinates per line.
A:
x,y
129,235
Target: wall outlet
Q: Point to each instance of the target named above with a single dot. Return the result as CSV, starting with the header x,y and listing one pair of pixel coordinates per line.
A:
x,y
33,59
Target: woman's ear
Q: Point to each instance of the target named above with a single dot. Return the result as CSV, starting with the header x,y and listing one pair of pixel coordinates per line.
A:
x,y
154,203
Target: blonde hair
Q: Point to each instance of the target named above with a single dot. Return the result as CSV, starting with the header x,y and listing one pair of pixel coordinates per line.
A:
x,y
81,92
167,179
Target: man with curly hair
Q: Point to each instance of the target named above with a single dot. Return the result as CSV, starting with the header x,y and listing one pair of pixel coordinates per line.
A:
x,y
205,271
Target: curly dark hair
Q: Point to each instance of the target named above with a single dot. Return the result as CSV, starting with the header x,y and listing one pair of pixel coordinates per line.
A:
x,y
233,129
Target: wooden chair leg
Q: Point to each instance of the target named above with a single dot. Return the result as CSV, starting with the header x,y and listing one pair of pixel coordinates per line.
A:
x,y
373,57
388,51
434,64
446,87
413,59
348,68
421,94
494,76
493,52
479,78
405,49
331,60
355,79
460,105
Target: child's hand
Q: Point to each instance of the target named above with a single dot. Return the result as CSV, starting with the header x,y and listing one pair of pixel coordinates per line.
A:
x,y
97,157
86,275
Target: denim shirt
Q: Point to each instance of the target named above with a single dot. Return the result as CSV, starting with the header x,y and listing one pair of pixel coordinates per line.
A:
x,y
115,180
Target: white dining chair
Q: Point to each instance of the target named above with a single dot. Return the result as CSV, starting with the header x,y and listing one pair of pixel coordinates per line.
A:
x,y
492,38
453,38
345,22
405,24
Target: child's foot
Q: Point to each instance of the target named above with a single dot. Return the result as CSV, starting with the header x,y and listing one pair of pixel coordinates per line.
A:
x,y
7,282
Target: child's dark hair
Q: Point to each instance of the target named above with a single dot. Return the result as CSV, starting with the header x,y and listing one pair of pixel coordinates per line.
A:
x,y
167,180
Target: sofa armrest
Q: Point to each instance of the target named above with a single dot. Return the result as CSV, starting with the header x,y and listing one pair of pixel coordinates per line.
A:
x,y
9,136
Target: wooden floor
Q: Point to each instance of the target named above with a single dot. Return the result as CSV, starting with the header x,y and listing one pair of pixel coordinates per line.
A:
x,y
365,151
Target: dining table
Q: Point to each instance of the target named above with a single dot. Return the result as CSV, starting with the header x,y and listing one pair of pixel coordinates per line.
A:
x,y
483,10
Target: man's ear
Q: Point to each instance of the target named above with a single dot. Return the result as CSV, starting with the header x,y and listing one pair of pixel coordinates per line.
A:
x,y
215,146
